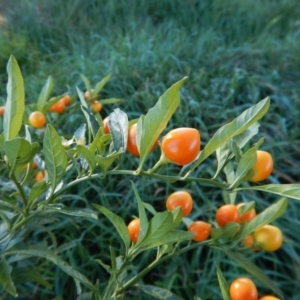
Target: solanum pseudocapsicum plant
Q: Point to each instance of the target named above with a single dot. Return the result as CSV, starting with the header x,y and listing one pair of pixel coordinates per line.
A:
x,y
94,153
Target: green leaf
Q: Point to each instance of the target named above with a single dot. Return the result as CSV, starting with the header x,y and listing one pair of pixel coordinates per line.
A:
x,y
81,98
105,162
45,94
86,82
75,212
88,156
270,214
229,231
79,135
5,278
55,156
161,231
246,163
254,270
286,190
19,151
223,284
156,120
63,265
216,233
37,190
99,86
232,129
172,236
15,106
2,141
91,120
118,223
104,266
23,275
150,208
158,293
177,217
159,226
224,154
245,208
118,126
110,100
142,216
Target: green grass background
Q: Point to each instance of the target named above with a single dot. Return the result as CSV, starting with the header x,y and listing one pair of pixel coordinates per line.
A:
x,y
234,53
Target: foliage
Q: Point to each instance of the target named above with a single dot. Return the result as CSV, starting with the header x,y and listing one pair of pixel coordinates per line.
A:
x,y
93,155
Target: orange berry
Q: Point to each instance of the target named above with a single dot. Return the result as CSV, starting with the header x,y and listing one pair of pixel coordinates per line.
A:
x,y
67,100
247,216
268,237
227,213
105,126
37,119
39,176
180,198
243,289
96,106
87,95
33,165
201,230
2,110
134,230
58,107
263,166
131,143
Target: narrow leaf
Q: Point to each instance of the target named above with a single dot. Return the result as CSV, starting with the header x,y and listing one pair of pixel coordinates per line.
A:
x,y
5,278
99,86
286,190
86,82
15,106
19,151
142,216
157,119
223,284
88,156
232,129
110,100
105,162
158,293
118,223
23,275
171,236
36,191
246,163
118,126
45,94
91,120
79,135
75,212
63,265
55,156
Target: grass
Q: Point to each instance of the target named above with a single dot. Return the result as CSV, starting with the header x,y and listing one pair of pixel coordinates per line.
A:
x,y
234,53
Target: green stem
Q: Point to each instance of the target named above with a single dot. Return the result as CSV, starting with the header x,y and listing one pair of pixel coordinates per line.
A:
x,y
162,161
209,182
22,193
157,262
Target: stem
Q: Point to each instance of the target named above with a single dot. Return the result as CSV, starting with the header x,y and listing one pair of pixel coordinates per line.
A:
x,y
22,193
155,263
162,161
209,182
